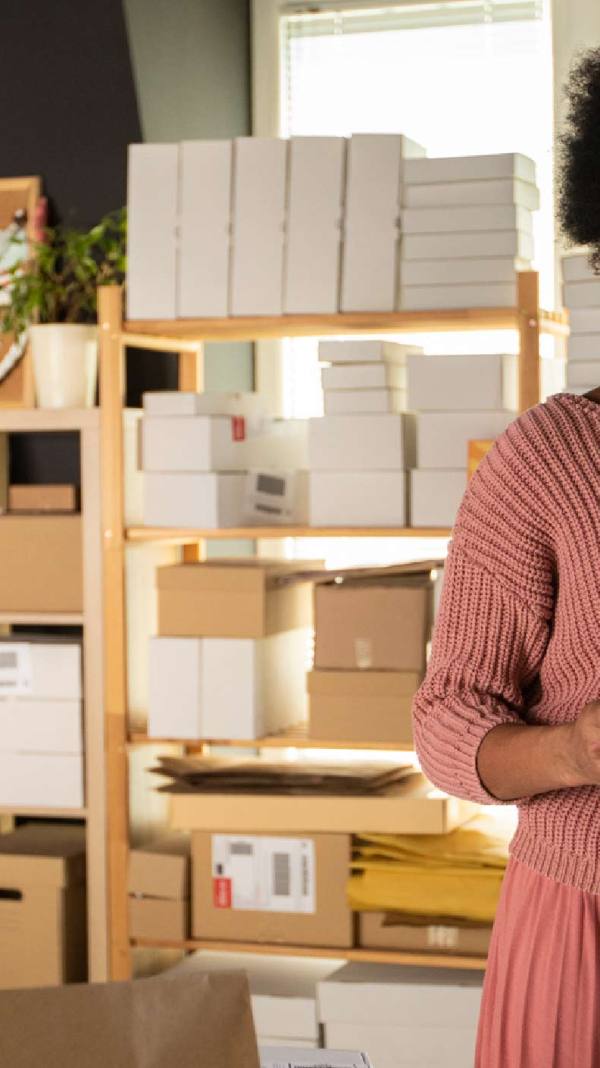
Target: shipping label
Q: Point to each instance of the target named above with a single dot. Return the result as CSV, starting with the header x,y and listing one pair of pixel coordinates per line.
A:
x,y
16,669
256,872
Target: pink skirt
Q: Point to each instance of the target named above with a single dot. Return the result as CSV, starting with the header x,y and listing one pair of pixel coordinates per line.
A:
x,y
541,993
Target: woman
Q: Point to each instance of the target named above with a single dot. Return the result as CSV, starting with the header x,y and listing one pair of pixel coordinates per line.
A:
x,y
509,710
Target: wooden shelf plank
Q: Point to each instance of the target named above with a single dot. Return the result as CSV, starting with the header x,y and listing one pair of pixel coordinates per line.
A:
x,y
181,535
43,619
26,420
48,813
374,956
293,738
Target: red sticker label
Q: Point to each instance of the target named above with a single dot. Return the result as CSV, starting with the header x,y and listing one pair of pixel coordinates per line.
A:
x,y
238,428
221,893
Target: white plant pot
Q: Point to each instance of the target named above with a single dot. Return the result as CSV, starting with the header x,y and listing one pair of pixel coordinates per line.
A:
x,y
65,364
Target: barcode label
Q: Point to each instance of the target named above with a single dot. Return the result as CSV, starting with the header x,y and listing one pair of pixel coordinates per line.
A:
x,y
241,849
264,873
281,875
16,668
8,660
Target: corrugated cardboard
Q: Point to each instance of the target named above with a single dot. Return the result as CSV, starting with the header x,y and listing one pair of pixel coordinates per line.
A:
x,y
330,925
48,498
152,1023
477,449
159,919
232,599
412,807
362,706
379,622
161,869
51,667
431,938
41,566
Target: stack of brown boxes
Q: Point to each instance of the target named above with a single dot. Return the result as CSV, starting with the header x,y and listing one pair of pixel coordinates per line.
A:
x,y
159,890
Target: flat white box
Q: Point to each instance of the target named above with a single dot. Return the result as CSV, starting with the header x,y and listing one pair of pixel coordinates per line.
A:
x,y
361,442
152,193
455,272
442,436
583,347
399,1047
490,295
191,443
399,995
358,498
583,373
364,351
204,228
552,375
284,1057
50,670
276,497
41,780
463,383
582,294
203,500
435,496
470,168
259,196
313,243
577,268
458,194
276,445
30,725
283,990
584,321
364,376
472,245
227,687
371,234
181,402
484,218
367,401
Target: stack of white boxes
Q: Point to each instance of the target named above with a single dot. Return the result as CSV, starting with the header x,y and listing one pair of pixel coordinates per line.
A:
x,y
360,449
456,398
41,723
467,227
212,460
403,1017
581,296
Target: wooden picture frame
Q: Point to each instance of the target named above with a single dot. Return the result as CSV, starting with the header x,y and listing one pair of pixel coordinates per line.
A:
x,y
18,194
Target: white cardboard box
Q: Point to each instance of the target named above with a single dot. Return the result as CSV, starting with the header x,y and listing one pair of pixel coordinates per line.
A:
x,y
286,1057
470,168
435,496
203,500
402,996
30,725
367,401
458,194
259,200
442,436
399,1047
313,246
361,442
371,234
490,295
204,228
364,376
40,670
582,294
584,321
272,497
463,383
455,272
472,245
292,1044
41,780
152,192
358,498
583,372
192,443
227,687
276,444
181,402
486,218
583,347
576,267
364,351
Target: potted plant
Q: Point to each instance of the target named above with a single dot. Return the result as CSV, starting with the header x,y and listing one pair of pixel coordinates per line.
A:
x,y
53,304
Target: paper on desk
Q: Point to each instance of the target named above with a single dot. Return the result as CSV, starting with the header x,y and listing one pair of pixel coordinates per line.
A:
x,y
283,1057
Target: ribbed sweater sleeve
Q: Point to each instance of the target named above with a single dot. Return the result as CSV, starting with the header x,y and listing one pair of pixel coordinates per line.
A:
x,y
494,617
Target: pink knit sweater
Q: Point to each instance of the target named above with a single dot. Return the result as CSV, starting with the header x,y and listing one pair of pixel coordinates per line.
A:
x,y
517,635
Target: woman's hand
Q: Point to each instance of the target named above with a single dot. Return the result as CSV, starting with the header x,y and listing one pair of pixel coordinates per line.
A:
x,y
583,747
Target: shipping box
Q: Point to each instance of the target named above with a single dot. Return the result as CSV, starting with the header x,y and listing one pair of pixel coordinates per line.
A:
x,y
364,350
202,500
374,933
41,563
463,383
42,498
159,889
42,906
152,195
489,295
370,401
204,224
470,168
41,667
371,375
486,218
361,442
257,888
362,706
442,437
232,598
181,402
258,215
472,192
435,496
42,780
582,294
472,244
357,498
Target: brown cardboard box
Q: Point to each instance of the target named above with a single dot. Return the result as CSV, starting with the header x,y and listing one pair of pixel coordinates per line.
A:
x,y
433,938
412,807
377,620
42,498
42,906
232,599
312,870
41,564
362,706
159,889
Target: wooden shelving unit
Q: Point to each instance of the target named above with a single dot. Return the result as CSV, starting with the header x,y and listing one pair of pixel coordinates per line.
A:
x,y
185,338
86,423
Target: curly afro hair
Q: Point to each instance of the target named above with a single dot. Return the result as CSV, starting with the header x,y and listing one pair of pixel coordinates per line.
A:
x,y
579,182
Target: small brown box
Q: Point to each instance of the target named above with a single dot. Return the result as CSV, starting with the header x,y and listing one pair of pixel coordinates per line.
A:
x,y
159,889
49,498
42,906
431,938
311,908
41,563
362,706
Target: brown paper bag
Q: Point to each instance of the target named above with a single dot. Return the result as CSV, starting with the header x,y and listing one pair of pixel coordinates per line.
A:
x,y
191,1021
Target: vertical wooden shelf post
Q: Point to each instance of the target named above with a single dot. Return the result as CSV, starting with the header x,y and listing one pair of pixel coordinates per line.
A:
x,y
528,295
